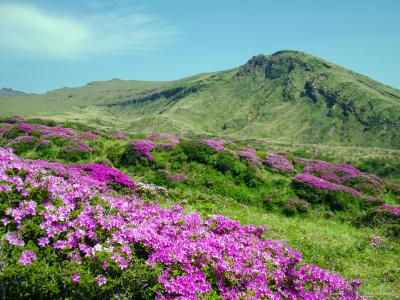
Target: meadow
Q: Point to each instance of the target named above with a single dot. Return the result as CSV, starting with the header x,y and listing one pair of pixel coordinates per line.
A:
x,y
324,202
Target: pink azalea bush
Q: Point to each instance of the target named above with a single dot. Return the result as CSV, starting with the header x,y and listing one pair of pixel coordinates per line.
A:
x,y
323,184
217,145
249,155
279,163
104,174
393,209
340,177
91,228
89,135
119,136
168,141
143,149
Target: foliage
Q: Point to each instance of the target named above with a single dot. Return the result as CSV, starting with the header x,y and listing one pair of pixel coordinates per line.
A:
x,y
81,234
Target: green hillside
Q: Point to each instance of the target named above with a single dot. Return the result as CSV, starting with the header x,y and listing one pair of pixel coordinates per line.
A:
x,y
288,96
340,226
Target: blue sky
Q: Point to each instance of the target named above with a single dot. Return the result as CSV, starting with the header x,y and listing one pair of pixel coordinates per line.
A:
x,y
51,44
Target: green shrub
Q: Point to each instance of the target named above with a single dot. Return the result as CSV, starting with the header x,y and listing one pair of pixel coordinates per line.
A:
x,y
225,162
13,133
365,185
25,146
114,154
295,206
129,156
197,151
336,199
388,221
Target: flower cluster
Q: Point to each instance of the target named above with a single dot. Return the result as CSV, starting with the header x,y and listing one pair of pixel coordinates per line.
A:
x,y
83,219
27,257
322,184
41,134
143,148
56,131
217,145
168,140
15,119
77,146
393,209
89,135
249,154
5,124
104,174
339,173
118,136
25,127
342,175
279,163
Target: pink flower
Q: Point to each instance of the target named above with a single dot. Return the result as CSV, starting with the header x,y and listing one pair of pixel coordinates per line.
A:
x,y
143,149
217,145
27,257
43,241
75,278
14,238
101,280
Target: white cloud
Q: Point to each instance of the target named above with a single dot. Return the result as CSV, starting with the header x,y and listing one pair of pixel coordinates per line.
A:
x,y
30,31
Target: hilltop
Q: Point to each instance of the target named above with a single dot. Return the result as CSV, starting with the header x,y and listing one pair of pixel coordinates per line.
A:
x,y
288,96
9,92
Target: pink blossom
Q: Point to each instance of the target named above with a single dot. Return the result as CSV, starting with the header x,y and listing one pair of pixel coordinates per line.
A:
x,y
75,278
101,280
27,257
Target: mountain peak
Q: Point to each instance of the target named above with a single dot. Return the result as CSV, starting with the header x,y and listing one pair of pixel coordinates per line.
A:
x,y
9,92
281,63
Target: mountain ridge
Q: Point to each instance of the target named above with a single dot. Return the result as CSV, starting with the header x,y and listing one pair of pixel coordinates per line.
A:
x,y
289,96
9,92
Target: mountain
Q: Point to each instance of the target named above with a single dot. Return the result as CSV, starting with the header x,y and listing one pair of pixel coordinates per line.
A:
x,y
289,95
9,92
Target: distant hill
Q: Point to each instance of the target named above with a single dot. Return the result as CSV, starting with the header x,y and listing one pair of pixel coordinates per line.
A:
x,y
9,92
288,96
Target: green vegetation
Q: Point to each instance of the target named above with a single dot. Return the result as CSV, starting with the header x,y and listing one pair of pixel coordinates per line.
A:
x,y
288,96
331,229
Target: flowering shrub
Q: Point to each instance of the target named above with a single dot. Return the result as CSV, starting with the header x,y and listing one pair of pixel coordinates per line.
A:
x,y
143,148
5,124
25,127
279,163
196,150
104,174
75,150
322,184
176,178
318,190
217,145
118,136
392,209
295,206
15,119
249,155
373,201
169,140
89,135
98,244
386,216
344,175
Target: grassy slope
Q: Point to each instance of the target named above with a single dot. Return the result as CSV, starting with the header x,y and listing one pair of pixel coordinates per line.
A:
x,y
332,243
265,98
